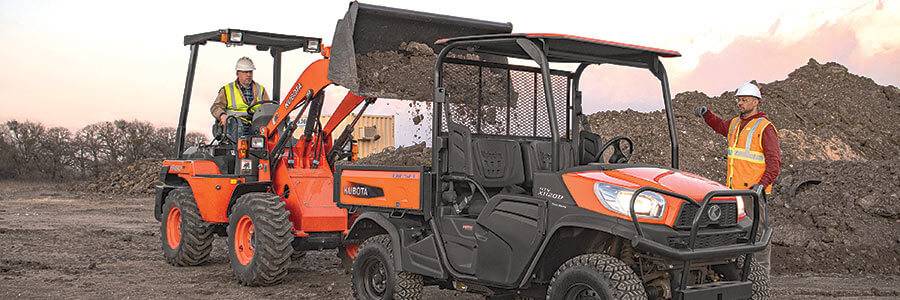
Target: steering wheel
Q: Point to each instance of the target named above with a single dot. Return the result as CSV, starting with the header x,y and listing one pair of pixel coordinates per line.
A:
x,y
232,129
617,157
252,106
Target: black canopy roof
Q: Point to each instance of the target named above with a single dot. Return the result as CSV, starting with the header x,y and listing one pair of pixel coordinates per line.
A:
x,y
263,40
563,48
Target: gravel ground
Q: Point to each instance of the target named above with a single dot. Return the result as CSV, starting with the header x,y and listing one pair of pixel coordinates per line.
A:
x,y
63,245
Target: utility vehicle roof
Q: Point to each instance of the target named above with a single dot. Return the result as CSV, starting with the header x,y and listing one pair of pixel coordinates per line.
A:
x,y
564,48
262,40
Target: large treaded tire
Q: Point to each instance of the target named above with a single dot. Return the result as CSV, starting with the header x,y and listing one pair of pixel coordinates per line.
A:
x,y
606,276
758,276
196,236
270,239
397,285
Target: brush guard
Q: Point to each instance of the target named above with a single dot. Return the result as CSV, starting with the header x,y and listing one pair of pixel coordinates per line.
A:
x,y
716,290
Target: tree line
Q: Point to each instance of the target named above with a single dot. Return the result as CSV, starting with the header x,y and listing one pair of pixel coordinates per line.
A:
x,y
31,150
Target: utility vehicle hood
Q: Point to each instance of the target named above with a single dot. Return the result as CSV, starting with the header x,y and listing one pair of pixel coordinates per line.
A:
x,y
680,182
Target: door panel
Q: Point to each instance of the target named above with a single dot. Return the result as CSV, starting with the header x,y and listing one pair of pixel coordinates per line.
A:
x,y
509,231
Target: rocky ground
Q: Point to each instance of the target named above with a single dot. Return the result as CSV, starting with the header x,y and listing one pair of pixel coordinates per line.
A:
x,y
87,245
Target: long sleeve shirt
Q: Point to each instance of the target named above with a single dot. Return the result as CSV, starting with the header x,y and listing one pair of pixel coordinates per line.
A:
x,y
771,147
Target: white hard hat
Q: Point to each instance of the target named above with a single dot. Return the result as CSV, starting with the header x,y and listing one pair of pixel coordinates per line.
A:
x,y
244,64
748,89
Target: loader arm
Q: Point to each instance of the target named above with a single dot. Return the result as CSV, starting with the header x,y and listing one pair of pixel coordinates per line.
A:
x,y
311,82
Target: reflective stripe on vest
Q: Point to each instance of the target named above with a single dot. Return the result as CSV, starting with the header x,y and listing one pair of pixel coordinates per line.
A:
x,y
746,161
235,98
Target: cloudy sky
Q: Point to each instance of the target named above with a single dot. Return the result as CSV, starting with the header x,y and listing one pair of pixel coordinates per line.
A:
x,y
71,63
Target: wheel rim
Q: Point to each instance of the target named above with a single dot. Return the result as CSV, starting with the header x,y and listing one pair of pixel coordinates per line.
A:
x,y
581,291
173,228
375,278
243,240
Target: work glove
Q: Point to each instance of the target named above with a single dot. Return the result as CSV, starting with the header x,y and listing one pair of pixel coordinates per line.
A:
x,y
700,111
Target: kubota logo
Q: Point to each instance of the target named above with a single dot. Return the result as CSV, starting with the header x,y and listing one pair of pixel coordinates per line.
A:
x,y
714,213
363,191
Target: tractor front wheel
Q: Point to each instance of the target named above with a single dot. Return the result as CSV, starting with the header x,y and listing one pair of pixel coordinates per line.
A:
x,y
259,239
595,276
186,238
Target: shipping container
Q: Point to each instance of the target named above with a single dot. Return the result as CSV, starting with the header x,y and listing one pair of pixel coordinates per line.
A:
x,y
373,133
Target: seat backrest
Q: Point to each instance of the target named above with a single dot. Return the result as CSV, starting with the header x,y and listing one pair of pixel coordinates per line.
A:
x,y
538,157
498,162
459,153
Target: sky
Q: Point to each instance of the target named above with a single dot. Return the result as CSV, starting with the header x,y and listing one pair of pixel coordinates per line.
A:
x,y
72,63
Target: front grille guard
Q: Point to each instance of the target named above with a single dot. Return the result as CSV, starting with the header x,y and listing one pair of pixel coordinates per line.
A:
x,y
747,249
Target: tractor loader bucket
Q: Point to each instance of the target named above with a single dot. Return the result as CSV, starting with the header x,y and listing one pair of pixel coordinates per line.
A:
x,y
370,28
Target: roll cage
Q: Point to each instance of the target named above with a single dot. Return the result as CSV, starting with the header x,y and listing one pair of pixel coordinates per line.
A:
x,y
543,49
274,43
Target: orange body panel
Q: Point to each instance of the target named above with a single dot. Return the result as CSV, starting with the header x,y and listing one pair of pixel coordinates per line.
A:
x,y
581,186
399,189
211,194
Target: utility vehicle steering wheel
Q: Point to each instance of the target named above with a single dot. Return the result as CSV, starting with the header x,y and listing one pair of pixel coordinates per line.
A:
x,y
617,157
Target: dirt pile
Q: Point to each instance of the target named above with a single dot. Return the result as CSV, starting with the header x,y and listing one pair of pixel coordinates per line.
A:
x,y
832,129
415,155
407,73
847,223
136,178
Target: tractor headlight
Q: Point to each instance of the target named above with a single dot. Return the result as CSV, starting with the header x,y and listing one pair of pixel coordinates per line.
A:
x,y
236,37
257,142
312,46
647,205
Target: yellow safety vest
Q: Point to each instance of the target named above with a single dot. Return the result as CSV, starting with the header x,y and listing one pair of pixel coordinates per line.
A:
x,y
746,162
235,98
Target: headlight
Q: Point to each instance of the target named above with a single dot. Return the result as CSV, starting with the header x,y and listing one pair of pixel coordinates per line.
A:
x,y
740,207
648,204
257,142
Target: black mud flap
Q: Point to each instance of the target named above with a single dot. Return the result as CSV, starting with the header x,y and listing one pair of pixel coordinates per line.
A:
x,y
717,291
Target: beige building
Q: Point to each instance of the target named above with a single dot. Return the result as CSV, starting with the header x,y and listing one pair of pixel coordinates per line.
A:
x,y
372,133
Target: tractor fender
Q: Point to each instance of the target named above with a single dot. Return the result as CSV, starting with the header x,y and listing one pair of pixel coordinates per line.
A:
x,y
247,187
590,221
167,183
370,224
412,251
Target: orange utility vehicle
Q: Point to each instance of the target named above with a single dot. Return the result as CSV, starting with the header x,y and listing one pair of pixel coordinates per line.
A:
x,y
519,199
268,192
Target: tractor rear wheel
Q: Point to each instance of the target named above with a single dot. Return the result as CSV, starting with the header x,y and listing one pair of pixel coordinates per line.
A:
x,y
186,238
595,276
259,239
374,275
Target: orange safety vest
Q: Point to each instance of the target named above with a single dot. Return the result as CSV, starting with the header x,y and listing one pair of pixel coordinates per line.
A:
x,y
746,162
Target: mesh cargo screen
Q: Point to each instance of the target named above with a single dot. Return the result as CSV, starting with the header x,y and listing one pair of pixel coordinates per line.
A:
x,y
493,99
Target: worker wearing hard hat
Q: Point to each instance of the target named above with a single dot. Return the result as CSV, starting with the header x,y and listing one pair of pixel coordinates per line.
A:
x,y
238,95
753,154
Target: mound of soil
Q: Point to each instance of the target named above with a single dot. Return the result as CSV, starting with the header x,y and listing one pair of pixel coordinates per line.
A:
x,y
136,178
415,155
838,217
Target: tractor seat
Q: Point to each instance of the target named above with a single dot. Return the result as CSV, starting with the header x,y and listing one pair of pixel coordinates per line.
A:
x,y
498,169
538,157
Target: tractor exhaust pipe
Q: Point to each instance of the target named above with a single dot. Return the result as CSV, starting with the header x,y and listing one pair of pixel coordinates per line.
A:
x,y
369,28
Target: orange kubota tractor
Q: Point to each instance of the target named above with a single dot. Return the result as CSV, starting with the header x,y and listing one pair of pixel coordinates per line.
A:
x,y
272,194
